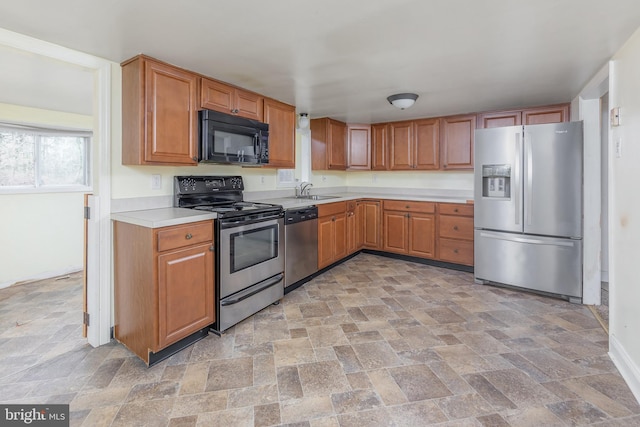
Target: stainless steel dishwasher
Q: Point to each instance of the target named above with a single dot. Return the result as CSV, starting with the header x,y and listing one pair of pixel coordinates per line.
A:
x,y
300,245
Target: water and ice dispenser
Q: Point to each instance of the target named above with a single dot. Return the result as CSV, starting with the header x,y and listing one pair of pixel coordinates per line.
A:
x,y
496,181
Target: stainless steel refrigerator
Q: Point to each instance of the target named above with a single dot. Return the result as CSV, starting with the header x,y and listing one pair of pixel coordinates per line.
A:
x,y
528,207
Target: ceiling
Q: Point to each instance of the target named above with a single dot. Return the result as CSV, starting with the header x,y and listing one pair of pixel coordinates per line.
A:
x,y
342,59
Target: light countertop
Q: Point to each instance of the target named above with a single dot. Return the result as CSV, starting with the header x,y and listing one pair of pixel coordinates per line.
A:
x,y
163,217
293,203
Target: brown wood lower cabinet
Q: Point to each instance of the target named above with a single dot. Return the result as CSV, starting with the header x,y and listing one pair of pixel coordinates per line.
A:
x,y
455,233
437,231
332,233
371,217
164,284
409,228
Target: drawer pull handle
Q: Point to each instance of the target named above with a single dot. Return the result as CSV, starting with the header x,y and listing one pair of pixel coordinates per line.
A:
x,y
188,236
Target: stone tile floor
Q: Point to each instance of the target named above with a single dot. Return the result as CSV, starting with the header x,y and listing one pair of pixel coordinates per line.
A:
x,y
373,342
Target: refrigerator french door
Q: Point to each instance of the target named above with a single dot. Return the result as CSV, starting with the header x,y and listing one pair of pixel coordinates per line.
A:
x,y
528,207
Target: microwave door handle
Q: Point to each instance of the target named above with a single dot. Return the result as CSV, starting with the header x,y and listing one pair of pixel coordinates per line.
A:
x,y
256,145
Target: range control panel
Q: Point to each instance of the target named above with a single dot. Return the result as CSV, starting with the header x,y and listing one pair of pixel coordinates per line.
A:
x,y
207,184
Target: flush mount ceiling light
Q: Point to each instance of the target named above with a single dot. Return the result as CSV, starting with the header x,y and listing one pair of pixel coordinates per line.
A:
x,y
303,121
402,100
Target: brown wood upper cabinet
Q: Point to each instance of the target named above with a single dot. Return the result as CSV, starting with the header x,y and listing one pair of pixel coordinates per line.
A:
x,y
358,147
159,114
456,142
549,114
379,147
281,118
414,144
328,144
531,116
218,96
497,119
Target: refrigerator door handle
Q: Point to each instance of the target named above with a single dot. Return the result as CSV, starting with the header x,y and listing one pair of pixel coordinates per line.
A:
x,y
516,178
529,190
555,242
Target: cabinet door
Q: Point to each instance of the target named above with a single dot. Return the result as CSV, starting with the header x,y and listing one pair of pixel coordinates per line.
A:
x,y
400,146
185,293
371,227
422,239
498,119
171,115
337,145
325,240
216,96
282,140
379,154
352,231
248,104
427,143
358,147
456,149
548,114
359,214
395,226
340,237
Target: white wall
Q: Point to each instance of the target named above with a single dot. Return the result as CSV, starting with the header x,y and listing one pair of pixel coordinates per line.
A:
x,y
41,234
624,213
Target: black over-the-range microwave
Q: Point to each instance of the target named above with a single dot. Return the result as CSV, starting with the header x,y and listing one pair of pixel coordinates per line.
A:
x,y
231,139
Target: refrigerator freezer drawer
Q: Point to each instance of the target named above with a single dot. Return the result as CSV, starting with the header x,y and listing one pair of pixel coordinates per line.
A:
x,y
546,264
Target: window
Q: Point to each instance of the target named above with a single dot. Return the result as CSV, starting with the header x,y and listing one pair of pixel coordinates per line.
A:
x,y
43,159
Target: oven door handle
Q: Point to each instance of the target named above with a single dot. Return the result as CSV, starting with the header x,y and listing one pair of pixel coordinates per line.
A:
x,y
228,223
261,286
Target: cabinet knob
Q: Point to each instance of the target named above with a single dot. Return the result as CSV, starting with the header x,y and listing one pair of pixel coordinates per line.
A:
x,y
455,251
235,111
212,248
407,207
408,216
455,210
455,227
333,218
188,236
195,159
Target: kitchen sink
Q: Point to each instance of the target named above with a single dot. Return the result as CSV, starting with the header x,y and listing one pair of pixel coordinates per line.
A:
x,y
315,197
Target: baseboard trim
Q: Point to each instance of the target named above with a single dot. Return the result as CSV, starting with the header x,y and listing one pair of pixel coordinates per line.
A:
x,y
41,276
628,369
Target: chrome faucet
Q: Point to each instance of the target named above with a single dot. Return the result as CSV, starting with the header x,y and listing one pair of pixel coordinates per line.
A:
x,y
304,188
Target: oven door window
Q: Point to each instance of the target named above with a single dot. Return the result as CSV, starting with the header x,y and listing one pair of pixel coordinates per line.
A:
x,y
252,247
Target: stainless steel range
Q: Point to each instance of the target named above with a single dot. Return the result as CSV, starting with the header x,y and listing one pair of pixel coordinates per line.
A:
x,y
249,245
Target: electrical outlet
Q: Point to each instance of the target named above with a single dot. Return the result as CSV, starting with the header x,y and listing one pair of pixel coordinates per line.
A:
x,y
262,180
324,178
619,147
375,178
156,182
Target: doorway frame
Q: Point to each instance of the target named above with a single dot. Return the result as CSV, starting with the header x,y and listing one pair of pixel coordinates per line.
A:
x,y
99,294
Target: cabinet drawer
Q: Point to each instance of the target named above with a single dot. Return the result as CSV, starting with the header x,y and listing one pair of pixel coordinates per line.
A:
x,y
184,235
456,227
456,209
456,251
332,208
409,206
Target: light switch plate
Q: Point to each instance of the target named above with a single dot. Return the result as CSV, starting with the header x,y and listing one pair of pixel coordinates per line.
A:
x,y
615,116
